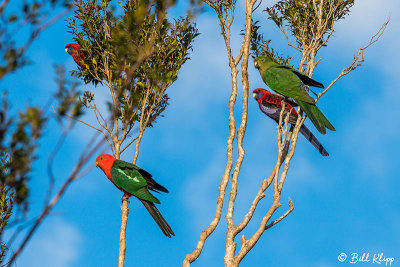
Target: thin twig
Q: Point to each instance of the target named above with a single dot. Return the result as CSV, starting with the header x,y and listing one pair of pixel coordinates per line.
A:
x,y
50,165
358,58
282,217
83,159
91,126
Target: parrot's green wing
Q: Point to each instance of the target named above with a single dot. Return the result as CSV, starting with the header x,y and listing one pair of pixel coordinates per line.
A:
x,y
304,78
127,177
291,83
151,184
285,82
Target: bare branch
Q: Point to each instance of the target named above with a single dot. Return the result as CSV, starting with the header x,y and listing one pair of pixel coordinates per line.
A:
x,y
133,140
3,5
97,111
226,18
255,8
50,165
122,235
232,232
83,159
358,58
91,126
283,216
260,195
189,258
287,40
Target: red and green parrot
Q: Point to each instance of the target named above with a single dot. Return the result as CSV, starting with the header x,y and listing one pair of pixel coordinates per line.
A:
x,y
134,181
270,105
289,82
77,55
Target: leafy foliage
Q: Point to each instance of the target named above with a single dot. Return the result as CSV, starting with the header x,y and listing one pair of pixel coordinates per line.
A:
x,y
260,47
19,134
301,18
31,16
6,205
18,141
136,54
67,96
309,21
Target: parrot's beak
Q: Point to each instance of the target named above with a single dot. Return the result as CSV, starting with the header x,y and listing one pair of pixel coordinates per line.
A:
x,y
256,64
97,164
66,50
254,95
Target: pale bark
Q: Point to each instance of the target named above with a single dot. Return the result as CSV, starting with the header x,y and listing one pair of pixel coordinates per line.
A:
x,y
122,235
287,135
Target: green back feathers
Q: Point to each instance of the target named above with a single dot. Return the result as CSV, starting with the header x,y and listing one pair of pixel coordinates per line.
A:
x,y
282,79
127,177
289,82
286,83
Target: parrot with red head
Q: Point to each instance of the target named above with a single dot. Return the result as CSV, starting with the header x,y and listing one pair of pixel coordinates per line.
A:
x,y
134,181
290,82
75,51
270,105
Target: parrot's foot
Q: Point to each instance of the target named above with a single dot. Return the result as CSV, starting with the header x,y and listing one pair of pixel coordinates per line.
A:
x,y
125,197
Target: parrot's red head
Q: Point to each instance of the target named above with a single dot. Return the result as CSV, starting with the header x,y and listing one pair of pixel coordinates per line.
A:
x,y
259,92
74,50
105,162
70,48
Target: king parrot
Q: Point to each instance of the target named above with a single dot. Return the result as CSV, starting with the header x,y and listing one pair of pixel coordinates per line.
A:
x,y
291,83
77,55
134,181
270,105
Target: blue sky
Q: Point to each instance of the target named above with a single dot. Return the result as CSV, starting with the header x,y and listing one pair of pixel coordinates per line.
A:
x,y
346,202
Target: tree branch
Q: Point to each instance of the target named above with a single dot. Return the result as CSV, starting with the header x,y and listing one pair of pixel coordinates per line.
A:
x,y
83,159
232,229
189,258
122,235
283,216
358,58
91,126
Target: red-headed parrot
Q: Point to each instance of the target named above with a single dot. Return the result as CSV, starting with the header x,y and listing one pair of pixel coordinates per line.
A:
x,y
270,105
77,55
291,83
134,181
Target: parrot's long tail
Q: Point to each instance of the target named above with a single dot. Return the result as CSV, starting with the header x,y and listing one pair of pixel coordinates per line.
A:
x,y
317,118
161,222
313,140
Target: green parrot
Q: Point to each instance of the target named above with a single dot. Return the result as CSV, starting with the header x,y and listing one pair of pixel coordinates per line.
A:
x,y
289,82
134,181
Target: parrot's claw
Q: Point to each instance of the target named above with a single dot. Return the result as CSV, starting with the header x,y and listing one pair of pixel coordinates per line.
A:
x,y
125,197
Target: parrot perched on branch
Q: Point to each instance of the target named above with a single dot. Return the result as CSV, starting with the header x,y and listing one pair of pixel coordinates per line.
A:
x,y
134,181
291,83
77,55
270,105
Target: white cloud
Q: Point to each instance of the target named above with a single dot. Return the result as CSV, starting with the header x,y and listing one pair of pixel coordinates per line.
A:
x,y
364,20
367,16
56,243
